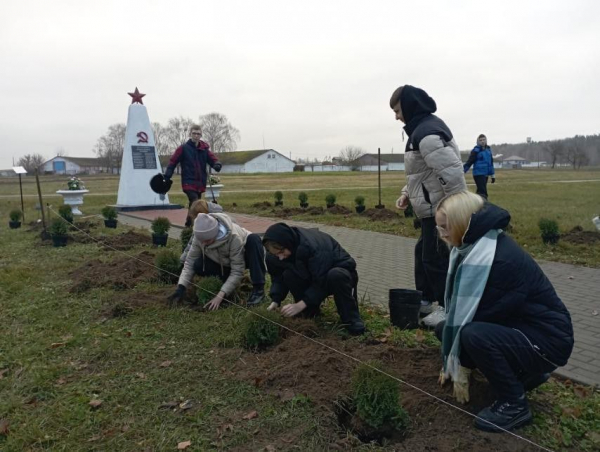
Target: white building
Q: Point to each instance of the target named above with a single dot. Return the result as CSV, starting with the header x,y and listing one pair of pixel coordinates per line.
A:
x,y
259,161
72,165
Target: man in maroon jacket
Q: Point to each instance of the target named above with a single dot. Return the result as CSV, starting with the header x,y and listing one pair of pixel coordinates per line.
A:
x,y
193,156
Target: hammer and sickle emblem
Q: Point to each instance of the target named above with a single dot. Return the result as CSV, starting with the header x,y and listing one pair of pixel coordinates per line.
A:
x,y
143,137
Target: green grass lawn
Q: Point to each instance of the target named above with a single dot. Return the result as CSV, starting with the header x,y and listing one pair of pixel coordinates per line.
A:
x,y
80,372
527,194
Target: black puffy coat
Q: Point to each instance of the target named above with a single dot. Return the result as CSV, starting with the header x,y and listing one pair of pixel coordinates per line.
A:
x,y
518,294
314,253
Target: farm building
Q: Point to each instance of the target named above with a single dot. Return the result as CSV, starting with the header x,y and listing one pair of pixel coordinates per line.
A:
x,y
389,162
514,161
258,161
72,165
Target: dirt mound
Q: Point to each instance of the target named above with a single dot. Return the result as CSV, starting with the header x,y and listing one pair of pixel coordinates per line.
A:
x,y
380,214
262,205
314,210
128,303
579,236
119,274
299,367
339,210
125,241
288,212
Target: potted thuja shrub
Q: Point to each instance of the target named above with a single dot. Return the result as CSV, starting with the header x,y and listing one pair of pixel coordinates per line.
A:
x,y
330,200
110,216
303,198
549,231
15,219
360,204
160,229
66,213
58,232
278,198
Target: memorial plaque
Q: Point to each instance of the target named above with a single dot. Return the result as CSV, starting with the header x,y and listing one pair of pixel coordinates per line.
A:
x,y
144,157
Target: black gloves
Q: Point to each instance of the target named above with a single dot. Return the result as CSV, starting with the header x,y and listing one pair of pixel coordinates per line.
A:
x,y
217,167
177,296
493,180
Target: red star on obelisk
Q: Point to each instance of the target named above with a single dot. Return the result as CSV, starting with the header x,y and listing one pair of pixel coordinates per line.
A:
x,y
136,96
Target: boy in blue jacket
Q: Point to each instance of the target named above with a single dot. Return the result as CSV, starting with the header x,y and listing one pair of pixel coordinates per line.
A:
x,y
483,165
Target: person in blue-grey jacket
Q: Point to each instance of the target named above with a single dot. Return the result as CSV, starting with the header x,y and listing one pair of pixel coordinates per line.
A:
x,y
483,165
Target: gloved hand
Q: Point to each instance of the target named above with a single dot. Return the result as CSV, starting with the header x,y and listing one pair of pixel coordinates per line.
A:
x,y
177,296
493,180
217,167
461,385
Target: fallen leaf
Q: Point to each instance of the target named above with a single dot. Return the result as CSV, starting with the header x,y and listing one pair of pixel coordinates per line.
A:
x,y
94,438
186,405
581,392
595,437
419,336
160,347
57,344
168,405
125,428
141,375
223,429
95,403
165,364
573,412
128,334
184,445
251,415
257,381
4,427
2,372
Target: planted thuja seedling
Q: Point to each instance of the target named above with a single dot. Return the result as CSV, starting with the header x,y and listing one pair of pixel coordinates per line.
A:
x,y
160,228
207,289
110,216
15,219
330,200
549,231
167,263
261,331
360,204
278,198
303,198
66,212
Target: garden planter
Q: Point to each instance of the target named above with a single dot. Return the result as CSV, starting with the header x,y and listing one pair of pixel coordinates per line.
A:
x,y
160,240
404,308
73,198
215,192
14,224
59,240
304,205
360,209
110,224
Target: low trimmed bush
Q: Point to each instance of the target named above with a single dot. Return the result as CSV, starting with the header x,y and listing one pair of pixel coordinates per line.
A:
x,y
359,200
168,265
208,288
259,331
330,200
15,215
160,226
58,227
109,213
302,197
549,230
66,212
185,236
377,397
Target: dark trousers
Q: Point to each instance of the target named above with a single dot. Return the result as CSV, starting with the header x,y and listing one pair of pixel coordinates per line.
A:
x,y
192,196
254,257
340,283
481,183
503,354
431,262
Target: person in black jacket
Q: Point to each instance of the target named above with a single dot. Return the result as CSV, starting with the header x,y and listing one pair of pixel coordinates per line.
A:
x,y
193,156
311,265
520,330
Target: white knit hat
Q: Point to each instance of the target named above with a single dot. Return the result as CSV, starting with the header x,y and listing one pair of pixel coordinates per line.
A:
x,y
205,227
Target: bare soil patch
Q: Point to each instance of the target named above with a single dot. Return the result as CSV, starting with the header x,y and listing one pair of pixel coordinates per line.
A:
x,y
299,367
339,210
119,274
262,205
380,214
579,236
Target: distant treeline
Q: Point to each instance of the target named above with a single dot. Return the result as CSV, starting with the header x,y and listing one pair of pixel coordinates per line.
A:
x,y
577,151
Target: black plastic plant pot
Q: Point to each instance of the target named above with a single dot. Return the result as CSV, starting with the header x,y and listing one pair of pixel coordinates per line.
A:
x,y
329,206
110,224
279,203
304,205
417,223
404,308
59,240
360,209
551,239
408,214
160,240
14,224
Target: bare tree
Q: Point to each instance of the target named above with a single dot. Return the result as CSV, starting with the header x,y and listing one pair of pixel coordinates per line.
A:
x,y
349,156
31,162
161,139
61,152
109,147
218,132
556,149
576,152
178,132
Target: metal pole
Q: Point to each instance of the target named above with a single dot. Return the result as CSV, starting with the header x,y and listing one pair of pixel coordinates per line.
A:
x,y
22,205
37,180
379,206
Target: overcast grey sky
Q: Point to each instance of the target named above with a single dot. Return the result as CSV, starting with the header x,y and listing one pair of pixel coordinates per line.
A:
x,y
310,76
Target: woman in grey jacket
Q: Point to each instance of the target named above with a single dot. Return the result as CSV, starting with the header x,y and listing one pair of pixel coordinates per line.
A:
x,y
433,170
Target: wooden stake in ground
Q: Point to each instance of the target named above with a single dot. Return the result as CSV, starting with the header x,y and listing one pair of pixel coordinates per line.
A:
x,y
379,206
37,180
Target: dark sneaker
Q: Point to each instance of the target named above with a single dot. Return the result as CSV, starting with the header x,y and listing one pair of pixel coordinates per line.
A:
x,y
356,328
532,381
256,298
503,415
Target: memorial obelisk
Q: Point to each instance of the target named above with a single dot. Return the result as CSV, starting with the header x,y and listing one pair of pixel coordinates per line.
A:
x,y
140,162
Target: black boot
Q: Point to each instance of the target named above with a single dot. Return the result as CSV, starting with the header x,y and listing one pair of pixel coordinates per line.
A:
x,y
256,297
504,415
532,381
350,316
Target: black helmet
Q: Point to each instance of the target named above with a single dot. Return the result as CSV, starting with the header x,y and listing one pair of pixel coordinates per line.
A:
x,y
160,185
